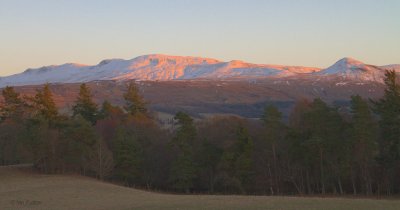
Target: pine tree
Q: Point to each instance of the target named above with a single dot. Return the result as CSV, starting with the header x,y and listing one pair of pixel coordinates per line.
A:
x,y
12,110
44,104
135,104
296,116
108,110
85,106
275,131
38,136
183,170
127,156
364,142
243,156
209,156
301,159
236,163
78,142
388,109
13,105
325,142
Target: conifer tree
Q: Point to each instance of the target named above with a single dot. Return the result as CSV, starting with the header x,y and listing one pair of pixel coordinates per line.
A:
x,y
13,104
325,141
243,155
44,104
12,110
364,141
135,104
388,109
275,131
236,162
79,138
85,106
127,156
183,169
209,156
107,110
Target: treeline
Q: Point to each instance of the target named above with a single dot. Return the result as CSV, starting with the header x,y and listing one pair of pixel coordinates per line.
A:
x,y
319,150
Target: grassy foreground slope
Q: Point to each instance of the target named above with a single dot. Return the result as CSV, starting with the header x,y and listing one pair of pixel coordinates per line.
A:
x,y
21,188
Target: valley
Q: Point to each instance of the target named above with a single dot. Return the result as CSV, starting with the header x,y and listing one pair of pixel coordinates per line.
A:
x,y
204,97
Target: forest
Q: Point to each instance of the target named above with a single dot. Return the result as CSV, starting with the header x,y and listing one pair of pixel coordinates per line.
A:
x,y
319,150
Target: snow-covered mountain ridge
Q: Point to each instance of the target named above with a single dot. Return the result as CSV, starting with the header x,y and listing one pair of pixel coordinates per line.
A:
x,y
165,67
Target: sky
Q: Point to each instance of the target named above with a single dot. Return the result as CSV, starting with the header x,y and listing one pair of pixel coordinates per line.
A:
x,y
291,32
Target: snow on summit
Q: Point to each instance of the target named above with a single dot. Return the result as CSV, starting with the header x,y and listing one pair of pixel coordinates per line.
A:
x,y
166,67
354,69
344,65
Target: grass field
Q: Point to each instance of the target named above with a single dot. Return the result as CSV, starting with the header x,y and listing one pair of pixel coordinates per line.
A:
x,y
21,188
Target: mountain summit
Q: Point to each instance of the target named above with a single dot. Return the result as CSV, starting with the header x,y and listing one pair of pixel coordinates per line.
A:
x,y
166,67
353,69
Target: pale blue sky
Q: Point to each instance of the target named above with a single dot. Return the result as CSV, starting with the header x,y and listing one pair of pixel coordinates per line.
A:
x,y
34,33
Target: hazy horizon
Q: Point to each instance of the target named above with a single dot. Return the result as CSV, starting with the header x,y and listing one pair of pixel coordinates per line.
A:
x,y
307,33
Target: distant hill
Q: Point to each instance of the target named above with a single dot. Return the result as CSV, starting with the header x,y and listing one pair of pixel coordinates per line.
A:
x,y
159,67
204,97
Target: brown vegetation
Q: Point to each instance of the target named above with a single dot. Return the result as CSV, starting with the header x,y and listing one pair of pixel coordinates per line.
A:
x,y
21,188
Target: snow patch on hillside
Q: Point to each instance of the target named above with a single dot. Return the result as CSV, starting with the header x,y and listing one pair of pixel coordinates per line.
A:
x,y
165,67
350,68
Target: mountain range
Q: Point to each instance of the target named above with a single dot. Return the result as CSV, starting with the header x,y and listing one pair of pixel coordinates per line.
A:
x,y
159,67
